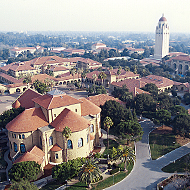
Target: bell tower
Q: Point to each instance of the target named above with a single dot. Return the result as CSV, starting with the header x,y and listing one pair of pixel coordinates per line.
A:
x,y
161,39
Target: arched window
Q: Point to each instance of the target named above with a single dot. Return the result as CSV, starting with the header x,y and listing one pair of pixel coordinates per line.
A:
x,y
50,141
23,136
69,144
22,148
19,136
80,142
15,147
56,156
92,128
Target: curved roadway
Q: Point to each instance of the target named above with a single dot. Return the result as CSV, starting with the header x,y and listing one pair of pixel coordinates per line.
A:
x,y
146,172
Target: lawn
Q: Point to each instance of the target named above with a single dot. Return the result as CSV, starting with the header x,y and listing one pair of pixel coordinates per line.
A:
x,y
112,144
161,144
52,185
107,182
180,165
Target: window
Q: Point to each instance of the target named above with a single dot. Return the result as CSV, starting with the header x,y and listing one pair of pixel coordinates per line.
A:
x,y
80,142
50,141
22,148
92,128
56,156
54,115
87,138
23,136
12,135
75,110
15,136
15,147
69,144
19,136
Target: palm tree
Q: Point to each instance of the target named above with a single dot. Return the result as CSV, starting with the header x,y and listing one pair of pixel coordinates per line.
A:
x,y
128,156
111,68
73,72
102,76
119,71
83,75
107,124
94,77
127,68
89,172
66,134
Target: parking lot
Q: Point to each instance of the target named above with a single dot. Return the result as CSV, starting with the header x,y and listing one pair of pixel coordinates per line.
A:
x,y
6,101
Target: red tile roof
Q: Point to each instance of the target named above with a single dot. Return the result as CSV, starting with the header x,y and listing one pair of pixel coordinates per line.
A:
x,y
29,120
10,78
88,108
70,119
159,81
180,58
130,84
25,99
89,75
34,154
22,66
102,98
42,77
50,102
56,148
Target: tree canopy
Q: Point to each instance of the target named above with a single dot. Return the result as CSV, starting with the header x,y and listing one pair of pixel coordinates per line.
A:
x,y
9,115
28,170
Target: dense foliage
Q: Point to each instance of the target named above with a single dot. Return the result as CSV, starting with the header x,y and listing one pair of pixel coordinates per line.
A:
x,y
67,170
9,115
28,170
40,86
124,121
23,185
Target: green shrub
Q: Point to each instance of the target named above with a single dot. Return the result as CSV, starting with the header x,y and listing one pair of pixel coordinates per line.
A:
x,y
114,171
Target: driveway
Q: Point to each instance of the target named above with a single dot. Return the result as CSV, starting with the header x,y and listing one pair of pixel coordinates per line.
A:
x,y
146,172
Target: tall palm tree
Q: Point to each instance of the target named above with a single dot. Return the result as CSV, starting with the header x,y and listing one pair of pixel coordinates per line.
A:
x,y
89,172
66,134
102,76
83,75
107,124
128,156
94,77
119,71
73,72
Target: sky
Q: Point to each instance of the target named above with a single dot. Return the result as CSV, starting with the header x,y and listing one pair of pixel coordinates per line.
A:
x,y
93,15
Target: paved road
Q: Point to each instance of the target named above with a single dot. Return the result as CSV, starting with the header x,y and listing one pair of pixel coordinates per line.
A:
x,y
146,172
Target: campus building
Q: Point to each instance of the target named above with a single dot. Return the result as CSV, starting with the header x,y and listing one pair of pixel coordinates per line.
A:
x,y
36,134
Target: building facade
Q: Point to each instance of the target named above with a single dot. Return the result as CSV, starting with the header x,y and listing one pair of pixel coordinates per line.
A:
x,y
161,39
41,128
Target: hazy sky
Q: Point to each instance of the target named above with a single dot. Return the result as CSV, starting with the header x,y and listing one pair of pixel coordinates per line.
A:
x,y
93,15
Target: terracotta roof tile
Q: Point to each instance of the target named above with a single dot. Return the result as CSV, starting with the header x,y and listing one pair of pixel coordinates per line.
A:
x,y
29,120
56,148
26,97
102,98
34,154
10,78
42,77
70,119
49,102
88,108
